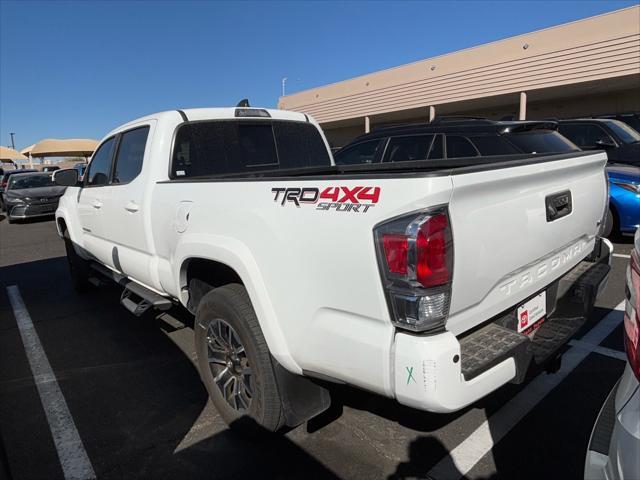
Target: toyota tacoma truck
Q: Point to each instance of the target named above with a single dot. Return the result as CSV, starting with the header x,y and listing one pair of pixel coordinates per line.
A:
x,y
433,282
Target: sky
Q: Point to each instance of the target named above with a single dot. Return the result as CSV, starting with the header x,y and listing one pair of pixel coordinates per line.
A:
x,y
79,69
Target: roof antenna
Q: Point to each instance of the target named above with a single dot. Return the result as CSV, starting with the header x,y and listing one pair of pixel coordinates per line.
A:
x,y
244,103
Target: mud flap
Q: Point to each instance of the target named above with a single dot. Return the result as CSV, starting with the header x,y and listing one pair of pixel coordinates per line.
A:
x,y
302,398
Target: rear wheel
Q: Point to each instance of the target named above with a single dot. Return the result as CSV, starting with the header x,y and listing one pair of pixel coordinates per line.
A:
x,y
611,225
234,360
78,266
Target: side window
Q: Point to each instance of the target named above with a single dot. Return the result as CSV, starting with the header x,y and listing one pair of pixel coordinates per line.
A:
x,y
130,155
584,135
574,132
364,152
436,149
458,146
100,166
409,148
493,145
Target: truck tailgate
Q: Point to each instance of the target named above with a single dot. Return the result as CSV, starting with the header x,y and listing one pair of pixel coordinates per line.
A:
x,y
508,242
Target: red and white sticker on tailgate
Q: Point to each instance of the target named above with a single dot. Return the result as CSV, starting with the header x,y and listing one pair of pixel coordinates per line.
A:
x,y
531,312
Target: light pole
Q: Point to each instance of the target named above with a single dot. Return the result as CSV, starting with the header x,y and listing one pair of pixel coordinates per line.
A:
x,y
13,145
284,82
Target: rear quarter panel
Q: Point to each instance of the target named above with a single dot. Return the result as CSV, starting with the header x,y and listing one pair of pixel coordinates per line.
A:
x,y
312,274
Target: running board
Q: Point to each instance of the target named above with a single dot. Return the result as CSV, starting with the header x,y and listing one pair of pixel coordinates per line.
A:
x,y
135,298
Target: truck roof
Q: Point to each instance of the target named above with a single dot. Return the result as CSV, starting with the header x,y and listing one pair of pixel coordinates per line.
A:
x,y
220,113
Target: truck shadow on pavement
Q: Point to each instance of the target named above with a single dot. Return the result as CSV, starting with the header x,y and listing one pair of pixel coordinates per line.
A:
x,y
136,397
133,394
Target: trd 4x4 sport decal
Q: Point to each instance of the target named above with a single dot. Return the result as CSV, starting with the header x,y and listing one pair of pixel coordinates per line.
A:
x,y
339,199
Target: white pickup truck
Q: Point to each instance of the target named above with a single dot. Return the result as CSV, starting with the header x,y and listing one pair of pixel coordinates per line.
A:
x,y
430,282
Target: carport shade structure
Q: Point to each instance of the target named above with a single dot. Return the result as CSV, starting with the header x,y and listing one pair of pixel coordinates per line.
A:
x,y
51,147
8,155
27,151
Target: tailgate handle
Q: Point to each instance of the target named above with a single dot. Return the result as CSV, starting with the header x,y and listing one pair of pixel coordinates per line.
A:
x,y
558,205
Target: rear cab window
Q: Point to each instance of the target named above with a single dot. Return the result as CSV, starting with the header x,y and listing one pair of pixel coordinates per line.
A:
x,y
223,147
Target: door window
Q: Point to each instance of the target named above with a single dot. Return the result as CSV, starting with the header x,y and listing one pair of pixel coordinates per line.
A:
x,y
458,146
409,148
584,135
130,155
436,148
364,152
100,166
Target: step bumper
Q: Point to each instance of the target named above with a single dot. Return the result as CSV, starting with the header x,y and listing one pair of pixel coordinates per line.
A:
x,y
445,373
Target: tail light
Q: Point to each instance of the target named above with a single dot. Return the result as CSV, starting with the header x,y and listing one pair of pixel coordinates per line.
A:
x,y
415,255
631,320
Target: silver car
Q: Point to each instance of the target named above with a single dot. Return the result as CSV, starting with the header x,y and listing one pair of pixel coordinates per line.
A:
x,y
614,447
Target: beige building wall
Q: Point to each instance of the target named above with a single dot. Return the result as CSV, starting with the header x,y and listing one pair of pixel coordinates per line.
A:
x,y
585,67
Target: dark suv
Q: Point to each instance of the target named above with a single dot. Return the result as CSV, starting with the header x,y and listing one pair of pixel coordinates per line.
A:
x,y
631,119
454,138
619,140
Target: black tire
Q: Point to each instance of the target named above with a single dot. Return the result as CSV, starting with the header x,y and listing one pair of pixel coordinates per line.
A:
x,y
230,305
10,220
608,224
78,267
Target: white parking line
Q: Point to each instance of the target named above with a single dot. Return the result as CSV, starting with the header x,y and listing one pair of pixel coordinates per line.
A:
x,y
71,453
608,352
620,255
468,453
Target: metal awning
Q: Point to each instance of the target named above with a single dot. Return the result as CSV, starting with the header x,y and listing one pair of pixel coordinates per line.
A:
x,y
52,147
8,155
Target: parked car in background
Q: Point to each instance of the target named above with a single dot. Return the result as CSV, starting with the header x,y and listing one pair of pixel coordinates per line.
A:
x,y
50,168
614,446
631,119
622,144
454,138
5,179
31,195
80,167
619,140
624,199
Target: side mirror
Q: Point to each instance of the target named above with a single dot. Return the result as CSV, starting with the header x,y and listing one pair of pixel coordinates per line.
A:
x,y
605,143
67,177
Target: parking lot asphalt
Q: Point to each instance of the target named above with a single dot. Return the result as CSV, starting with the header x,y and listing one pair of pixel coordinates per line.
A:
x,y
140,410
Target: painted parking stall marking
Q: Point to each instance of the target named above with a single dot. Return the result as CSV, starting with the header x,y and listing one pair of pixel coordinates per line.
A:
x,y
607,352
73,457
468,453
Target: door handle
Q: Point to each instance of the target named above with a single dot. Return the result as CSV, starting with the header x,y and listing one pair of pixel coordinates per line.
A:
x,y
131,207
96,204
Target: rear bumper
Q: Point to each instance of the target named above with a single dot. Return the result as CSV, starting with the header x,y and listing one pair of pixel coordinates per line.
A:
x,y
444,373
615,440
